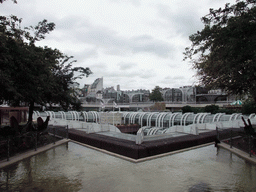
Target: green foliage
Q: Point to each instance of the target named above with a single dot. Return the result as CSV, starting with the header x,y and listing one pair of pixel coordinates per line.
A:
x,y
227,111
34,74
223,53
156,94
14,1
249,107
211,109
188,108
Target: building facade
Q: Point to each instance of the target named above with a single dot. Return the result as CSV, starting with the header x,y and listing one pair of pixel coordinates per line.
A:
x,y
186,94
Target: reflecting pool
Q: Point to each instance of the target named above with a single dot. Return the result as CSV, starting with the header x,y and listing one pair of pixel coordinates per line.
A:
x,y
73,167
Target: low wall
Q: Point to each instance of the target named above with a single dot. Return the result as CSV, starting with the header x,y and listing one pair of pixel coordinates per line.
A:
x,y
128,128
147,148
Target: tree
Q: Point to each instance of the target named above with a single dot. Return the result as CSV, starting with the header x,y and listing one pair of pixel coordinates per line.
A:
x,y
248,107
34,74
156,94
211,109
14,1
224,51
187,109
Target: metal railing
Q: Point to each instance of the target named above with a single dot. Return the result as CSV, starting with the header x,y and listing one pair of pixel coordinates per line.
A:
x,y
12,145
237,138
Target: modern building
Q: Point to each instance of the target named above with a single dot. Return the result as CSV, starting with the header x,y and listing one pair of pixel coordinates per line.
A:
x,y
186,94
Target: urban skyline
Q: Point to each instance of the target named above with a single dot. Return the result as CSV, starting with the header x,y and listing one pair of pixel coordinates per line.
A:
x,y
97,93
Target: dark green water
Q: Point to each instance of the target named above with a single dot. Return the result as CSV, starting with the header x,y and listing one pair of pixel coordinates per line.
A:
x,y
77,168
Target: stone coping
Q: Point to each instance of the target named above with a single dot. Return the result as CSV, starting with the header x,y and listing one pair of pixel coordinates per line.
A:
x,y
238,152
142,159
20,157
147,149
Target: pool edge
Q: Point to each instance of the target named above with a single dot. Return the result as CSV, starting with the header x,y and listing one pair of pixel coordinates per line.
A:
x,y
238,152
20,157
145,158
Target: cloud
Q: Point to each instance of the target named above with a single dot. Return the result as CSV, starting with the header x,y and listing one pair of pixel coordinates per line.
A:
x,y
183,19
99,66
83,55
112,43
172,65
147,74
134,43
108,40
72,23
142,38
133,2
126,66
159,48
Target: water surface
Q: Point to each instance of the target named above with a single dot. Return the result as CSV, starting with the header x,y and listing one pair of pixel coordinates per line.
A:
x,y
73,167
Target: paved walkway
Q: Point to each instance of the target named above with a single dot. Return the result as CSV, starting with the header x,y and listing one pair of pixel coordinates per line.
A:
x,y
30,153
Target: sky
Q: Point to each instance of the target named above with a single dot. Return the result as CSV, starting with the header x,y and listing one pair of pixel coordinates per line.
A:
x,y
137,44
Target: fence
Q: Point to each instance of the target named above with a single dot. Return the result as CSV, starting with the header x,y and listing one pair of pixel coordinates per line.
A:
x,y
12,145
59,131
238,139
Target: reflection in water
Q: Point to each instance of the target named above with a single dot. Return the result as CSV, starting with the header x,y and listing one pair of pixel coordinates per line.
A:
x,y
77,168
38,174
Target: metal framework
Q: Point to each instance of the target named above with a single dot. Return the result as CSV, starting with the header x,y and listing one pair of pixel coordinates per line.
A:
x,y
152,122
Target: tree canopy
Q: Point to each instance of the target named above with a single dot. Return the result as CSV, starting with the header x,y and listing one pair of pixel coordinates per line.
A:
x,y
14,1
224,51
33,74
156,95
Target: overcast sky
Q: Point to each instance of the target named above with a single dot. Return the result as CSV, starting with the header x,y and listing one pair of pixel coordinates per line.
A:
x,y
137,44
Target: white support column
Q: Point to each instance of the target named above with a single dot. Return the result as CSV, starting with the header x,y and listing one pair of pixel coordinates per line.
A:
x,y
140,118
232,116
93,118
237,115
162,121
204,116
124,116
151,117
252,116
65,115
131,117
186,117
157,118
220,115
97,117
134,117
170,119
72,115
143,117
173,117
149,120
84,115
48,114
61,113
195,118
199,118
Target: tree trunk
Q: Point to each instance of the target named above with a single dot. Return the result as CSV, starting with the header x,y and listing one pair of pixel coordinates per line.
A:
x,y
31,110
